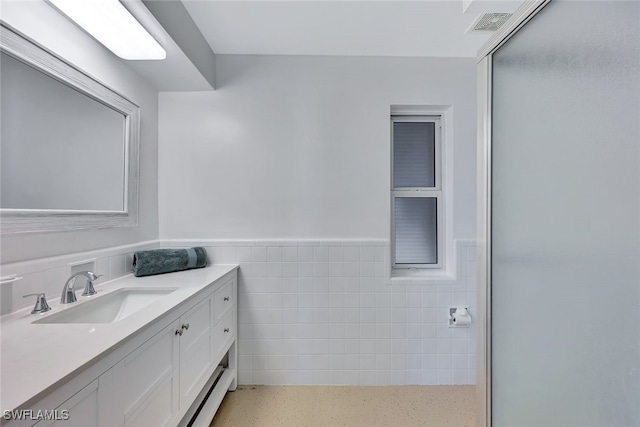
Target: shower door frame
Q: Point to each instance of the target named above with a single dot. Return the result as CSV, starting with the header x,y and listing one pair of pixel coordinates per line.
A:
x,y
484,158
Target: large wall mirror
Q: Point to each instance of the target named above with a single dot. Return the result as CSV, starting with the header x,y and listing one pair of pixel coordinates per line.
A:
x,y
69,144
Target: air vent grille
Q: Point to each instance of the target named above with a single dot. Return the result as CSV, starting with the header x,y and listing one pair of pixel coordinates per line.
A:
x,y
489,22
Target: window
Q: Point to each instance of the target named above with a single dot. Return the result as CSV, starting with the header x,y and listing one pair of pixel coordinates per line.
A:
x,y
416,192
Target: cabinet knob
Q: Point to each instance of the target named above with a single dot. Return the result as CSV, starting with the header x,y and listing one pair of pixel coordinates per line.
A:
x,y
226,330
185,326
226,298
179,332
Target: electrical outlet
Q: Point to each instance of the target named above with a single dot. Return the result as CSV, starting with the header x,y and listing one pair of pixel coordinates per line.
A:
x,y
84,265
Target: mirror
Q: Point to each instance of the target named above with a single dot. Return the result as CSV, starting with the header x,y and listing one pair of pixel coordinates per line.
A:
x,y
69,144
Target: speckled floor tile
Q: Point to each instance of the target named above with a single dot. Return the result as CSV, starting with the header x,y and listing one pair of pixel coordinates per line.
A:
x,y
346,406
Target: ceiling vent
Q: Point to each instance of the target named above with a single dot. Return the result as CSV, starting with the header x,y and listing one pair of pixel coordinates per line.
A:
x,y
488,23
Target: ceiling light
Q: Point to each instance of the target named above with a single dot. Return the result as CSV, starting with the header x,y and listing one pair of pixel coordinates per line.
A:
x,y
112,25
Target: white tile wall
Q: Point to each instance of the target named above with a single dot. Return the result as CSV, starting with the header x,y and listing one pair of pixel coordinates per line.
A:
x,y
323,312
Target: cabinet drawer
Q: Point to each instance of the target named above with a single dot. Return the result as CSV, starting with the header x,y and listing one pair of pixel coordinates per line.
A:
x,y
224,332
224,300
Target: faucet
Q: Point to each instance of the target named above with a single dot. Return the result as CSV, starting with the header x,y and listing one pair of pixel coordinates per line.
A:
x,y
68,292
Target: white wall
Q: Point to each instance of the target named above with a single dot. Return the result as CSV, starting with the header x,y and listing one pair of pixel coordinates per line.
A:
x,y
298,147
285,170
42,23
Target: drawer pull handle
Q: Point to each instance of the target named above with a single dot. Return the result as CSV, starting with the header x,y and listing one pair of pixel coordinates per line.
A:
x,y
185,326
179,332
226,298
226,330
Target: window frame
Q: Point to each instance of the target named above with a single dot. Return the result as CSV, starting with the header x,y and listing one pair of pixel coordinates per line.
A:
x,y
424,192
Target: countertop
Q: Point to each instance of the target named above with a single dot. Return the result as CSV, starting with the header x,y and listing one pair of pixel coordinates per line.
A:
x,y
37,357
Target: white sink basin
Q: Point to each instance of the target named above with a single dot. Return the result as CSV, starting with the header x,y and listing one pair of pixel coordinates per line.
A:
x,y
109,308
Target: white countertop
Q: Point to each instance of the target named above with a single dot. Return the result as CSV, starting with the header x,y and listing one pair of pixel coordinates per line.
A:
x,y
35,357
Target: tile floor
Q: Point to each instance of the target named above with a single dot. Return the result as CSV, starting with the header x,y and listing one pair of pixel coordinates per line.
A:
x,y
347,406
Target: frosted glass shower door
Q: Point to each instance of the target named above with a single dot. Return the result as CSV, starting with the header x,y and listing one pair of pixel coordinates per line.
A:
x,y
565,219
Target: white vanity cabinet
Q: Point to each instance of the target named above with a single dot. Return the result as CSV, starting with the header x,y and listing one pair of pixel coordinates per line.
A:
x,y
161,374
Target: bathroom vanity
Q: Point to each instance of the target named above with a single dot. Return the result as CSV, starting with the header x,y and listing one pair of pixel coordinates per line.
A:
x,y
169,353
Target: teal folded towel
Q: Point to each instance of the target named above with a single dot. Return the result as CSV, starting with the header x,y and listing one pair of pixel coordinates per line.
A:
x,y
159,261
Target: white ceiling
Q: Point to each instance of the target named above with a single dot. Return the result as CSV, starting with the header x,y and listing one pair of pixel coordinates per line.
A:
x,y
358,28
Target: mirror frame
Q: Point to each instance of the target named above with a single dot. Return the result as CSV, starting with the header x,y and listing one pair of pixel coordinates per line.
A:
x,y
14,221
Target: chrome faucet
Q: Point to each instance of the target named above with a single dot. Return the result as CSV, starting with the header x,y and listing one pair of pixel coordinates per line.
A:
x,y
69,293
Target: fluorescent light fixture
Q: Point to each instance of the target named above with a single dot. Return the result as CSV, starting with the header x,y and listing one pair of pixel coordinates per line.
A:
x,y
109,22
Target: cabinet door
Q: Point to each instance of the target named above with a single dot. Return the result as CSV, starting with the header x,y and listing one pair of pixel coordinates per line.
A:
x,y
196,356
147,380
91,406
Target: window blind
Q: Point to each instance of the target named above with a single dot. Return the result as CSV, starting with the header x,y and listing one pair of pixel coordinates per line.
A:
x,y
416,230
414,154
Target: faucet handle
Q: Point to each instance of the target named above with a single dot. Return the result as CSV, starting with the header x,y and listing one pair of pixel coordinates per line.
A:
x,y
88,287
41,303
94,275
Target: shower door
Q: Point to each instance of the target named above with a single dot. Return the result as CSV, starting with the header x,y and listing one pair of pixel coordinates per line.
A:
x,y
563,210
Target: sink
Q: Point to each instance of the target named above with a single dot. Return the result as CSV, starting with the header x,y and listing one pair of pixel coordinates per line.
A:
x,y
109,308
